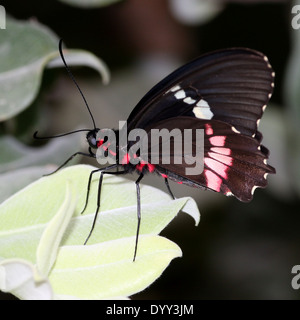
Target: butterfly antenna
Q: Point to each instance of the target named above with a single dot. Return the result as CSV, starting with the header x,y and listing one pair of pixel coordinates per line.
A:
x,y
75,82
35,136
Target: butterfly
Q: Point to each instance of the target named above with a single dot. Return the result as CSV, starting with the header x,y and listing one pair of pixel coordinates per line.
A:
x,y
223,93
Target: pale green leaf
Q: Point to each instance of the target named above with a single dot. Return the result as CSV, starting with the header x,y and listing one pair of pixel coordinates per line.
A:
x,y
52,235
26,215
106,270
25,48
76,57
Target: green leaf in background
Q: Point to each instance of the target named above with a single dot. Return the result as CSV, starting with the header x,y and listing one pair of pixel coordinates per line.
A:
x,y
21,164
90,3
15,155
292,100
25,50
195,12
103,269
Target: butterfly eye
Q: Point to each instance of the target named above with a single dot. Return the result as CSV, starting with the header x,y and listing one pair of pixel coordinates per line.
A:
x,y
91,139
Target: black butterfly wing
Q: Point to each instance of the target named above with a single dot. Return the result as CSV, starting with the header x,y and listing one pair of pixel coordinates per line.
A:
x,y
234,164
231,85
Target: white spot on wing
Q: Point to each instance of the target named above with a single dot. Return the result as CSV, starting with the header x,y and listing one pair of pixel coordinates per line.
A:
x,y
265,175
202,103
202,110
180,94
267,60
235,130
202,113
257,122
175,88
189,100
253,189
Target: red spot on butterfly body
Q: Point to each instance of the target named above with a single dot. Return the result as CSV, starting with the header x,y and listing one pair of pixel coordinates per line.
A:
x,y
151,167
142,164
100,143
126,159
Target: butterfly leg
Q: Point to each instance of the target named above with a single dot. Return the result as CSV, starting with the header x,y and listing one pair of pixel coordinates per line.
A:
x,y
137,183
90,155
90,181
103,171
169,189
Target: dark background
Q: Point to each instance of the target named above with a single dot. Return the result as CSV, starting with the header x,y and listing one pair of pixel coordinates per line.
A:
x,y
238,251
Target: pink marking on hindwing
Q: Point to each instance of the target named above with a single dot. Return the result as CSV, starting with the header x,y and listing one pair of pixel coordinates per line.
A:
x,y
208,129
222,158
225,151
218,141
212,180
218,167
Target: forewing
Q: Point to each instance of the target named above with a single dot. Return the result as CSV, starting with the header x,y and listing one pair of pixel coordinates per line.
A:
x,y
232,85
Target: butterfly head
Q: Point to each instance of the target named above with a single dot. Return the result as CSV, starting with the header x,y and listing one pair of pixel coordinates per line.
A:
x,y
105,141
